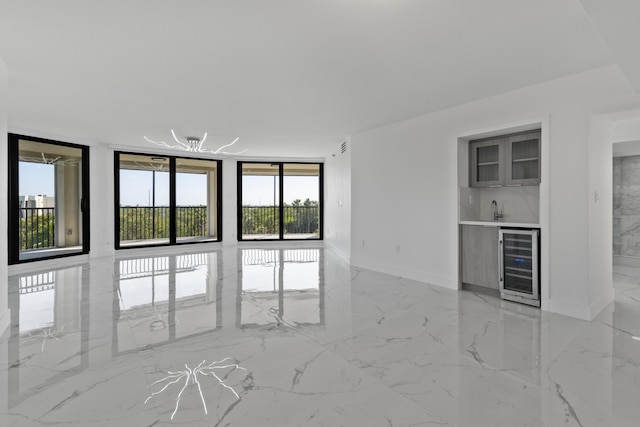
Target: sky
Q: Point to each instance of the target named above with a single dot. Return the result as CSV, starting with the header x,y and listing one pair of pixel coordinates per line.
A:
x,y
36,178
135,187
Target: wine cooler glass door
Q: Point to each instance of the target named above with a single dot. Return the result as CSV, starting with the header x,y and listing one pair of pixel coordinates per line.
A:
x,y
519,259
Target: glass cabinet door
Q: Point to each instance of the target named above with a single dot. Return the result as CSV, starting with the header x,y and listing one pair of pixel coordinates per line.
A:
x,y
523,159
486,163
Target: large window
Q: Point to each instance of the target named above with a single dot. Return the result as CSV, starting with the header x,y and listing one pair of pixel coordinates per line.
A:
x,y
279,201
163,200
48,199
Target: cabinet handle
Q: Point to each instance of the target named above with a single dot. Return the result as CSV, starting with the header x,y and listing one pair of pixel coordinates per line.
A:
x,y
500,255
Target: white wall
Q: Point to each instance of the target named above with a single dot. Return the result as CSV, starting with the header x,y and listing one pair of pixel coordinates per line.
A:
x,y
404,186
337,200
4,96
600,213
229,202
101,193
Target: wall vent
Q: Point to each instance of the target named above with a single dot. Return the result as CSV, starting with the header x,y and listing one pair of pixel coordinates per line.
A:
x,y
343,147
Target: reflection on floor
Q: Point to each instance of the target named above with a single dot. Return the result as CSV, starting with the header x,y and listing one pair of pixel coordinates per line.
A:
x,y
295,337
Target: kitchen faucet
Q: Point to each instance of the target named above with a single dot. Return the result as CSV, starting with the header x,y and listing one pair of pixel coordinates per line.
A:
x,y
496,215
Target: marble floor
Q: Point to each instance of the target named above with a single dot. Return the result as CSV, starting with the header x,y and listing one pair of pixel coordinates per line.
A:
x,y
295,337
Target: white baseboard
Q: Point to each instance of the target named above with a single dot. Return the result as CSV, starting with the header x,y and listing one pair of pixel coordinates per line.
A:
x,y
420,276
626,261
571,309
342,254
602,302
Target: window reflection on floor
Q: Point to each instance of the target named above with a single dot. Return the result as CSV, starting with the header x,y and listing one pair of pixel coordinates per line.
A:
x,y
281,286
164,298
47,314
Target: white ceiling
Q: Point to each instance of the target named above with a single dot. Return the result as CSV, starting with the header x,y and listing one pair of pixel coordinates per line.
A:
x,y
289,77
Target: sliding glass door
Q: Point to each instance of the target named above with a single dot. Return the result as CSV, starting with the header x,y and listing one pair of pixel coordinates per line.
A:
x,y
197,193
260,196
278,201
144,200
165,200
48,199
301,184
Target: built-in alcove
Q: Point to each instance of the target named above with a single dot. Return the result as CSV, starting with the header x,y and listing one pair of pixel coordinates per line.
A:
x,y
521,204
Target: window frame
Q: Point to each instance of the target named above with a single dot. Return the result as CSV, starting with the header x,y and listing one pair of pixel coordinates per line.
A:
x,y
172,200
14,198
281,175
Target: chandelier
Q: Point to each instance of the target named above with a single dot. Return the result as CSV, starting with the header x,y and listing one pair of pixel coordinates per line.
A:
x,y
193,144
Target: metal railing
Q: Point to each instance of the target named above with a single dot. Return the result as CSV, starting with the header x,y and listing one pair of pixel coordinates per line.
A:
x,y
37,228
148,222
265,219
260,220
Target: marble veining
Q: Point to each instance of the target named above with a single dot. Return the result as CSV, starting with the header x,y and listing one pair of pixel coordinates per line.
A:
x,y
626,206
292,336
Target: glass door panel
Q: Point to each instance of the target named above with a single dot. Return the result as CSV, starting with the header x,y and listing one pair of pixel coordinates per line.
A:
x,y
47,211
486,160
488,166
519,275
301,201
524,159
144,213
260,209
196,200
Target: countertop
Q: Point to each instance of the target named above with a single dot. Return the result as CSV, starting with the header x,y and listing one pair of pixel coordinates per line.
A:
x,y
500,224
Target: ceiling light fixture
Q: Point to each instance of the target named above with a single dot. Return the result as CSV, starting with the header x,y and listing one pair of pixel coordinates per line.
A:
x,y
194,145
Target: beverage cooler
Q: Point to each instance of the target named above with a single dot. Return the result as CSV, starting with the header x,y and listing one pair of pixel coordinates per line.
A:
x,y
519,266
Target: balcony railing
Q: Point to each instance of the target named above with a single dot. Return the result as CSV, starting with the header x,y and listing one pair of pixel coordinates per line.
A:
x,y
37,225
265,219
37,228
148,222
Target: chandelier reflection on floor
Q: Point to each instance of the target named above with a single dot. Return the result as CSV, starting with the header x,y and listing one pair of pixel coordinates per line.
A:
x,y
190,376
194,144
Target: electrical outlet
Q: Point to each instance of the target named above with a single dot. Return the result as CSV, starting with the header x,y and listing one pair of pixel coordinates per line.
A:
x,y
69,231
397,248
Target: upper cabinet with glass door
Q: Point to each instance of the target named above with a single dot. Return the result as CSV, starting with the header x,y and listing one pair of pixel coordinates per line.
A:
x,y
487,163
510,160
523,159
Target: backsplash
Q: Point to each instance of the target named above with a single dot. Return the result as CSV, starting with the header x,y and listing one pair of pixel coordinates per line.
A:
x,y
626,206
518,204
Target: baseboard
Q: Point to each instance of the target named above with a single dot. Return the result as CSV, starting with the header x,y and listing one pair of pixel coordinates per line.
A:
x,y
420,276
341,254
480,290
626,261
571,309
602,303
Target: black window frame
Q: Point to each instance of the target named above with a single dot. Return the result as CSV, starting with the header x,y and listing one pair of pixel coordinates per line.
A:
x,y
172,200
14,198
281,175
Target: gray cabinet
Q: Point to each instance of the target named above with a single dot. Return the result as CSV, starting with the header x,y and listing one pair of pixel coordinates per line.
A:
x,y
522,153
479,255
510,160
487,163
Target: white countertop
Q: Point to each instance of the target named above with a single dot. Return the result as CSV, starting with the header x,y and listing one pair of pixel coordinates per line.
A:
x,y
500,224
